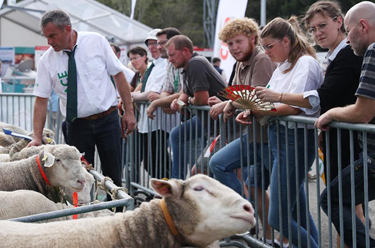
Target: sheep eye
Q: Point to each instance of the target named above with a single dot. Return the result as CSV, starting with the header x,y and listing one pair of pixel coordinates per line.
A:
x,y
57,160
199,188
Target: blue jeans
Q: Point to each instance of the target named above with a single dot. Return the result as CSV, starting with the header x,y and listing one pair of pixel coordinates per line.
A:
x,y
105,133
279,195
346,199
179,138
227,159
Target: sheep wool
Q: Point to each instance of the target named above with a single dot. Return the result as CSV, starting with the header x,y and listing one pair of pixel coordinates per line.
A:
x,y
202,210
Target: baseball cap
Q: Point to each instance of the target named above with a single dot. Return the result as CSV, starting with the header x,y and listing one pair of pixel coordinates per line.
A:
x,y
152,35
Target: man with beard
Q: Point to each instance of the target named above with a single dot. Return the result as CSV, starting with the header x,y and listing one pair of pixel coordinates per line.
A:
x,y
201,81
360,28
253,68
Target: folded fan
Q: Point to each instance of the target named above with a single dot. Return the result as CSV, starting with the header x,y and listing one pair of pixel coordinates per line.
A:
x,y
245,95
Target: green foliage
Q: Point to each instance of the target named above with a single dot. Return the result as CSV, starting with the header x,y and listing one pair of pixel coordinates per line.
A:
x,y
187,15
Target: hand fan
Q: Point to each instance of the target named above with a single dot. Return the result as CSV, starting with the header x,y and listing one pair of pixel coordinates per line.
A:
x,y
245,95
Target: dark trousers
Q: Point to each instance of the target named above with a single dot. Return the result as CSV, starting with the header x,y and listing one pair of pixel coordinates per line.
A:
x,y
154,153
333,151
347,198
105,133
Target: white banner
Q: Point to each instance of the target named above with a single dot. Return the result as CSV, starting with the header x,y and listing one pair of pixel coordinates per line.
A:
x,y
228,9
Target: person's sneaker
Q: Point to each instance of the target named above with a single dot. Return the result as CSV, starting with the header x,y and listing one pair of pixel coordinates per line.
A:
x,y
278,245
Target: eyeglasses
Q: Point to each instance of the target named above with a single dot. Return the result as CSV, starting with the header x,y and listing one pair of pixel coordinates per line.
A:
x,y
152,44
161,43
269,46
322,27
135,58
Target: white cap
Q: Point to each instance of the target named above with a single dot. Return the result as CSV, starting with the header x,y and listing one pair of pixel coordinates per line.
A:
x,y
152,35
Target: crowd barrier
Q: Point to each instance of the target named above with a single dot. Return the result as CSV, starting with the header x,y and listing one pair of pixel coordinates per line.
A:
x,y
157,150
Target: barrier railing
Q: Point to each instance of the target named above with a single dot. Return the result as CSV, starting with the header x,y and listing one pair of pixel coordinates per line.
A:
x,y
159,163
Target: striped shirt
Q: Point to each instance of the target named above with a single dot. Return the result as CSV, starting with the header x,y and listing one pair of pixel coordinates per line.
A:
x,y
366,88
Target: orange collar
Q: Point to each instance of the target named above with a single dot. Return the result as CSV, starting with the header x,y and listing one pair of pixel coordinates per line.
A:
x,y
41,170
168,217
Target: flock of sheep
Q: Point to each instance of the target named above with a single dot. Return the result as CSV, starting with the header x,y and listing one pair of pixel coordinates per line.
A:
x,y
200,209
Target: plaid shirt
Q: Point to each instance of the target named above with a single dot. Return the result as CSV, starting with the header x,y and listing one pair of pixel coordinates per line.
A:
x,y
172,77
366,88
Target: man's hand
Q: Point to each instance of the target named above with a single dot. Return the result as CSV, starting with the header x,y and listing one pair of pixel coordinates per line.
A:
x,y
150,110
213,100
169,111
323,121
152,96
217,109
127,124
175,106
228,111
244,117
35,142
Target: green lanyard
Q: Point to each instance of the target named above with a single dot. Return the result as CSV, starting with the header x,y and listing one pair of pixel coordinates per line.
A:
x,y
176,79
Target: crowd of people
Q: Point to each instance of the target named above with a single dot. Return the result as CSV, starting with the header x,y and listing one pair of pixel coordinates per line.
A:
x,y
279,60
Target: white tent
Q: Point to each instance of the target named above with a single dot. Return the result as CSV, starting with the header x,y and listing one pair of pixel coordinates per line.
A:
x,y
20,24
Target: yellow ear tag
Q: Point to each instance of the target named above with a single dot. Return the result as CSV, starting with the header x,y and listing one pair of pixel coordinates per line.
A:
x,y
49,140
165,185
45,158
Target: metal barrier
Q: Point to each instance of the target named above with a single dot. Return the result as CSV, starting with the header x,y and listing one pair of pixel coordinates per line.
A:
x,y
159,163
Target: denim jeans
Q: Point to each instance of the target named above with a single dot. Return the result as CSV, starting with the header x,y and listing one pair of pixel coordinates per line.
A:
x,y
179,139
279,196
227,159
346,199
105,133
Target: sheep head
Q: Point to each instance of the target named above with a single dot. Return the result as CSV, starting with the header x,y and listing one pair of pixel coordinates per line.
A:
x,y
62,166
204,210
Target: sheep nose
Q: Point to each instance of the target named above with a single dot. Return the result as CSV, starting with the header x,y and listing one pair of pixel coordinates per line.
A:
x,y
81,182
248,208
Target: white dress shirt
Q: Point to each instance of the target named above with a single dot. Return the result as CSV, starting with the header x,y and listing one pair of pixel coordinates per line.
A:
x,y
95,61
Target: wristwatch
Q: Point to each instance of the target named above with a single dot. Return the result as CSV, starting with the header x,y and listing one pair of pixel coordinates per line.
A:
x,y
189,100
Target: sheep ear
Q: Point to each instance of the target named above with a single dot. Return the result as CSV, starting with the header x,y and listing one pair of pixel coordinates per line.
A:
x,y
48,159
170,188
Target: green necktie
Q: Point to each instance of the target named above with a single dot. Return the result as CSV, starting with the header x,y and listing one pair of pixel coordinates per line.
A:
x,y
145,77
71,106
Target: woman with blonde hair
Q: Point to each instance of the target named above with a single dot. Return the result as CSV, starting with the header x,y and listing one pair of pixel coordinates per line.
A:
x,y
297,71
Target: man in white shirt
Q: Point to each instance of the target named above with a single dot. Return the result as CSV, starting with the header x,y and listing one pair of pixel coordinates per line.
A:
x,y
153,140
95,121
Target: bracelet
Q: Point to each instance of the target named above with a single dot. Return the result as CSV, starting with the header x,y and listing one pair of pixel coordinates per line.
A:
x,y
281,96
231,104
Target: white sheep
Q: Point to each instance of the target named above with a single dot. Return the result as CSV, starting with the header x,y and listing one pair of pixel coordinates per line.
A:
x,y
7,142
18,152
21,203
4,158
201,209
60,164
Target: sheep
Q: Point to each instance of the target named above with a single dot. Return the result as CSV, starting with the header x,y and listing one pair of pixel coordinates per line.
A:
x,y
7,142
202,210
61,165
84,196
4,158
20,203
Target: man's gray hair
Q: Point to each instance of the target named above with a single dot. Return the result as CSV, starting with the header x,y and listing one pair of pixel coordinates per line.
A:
x,y
57,16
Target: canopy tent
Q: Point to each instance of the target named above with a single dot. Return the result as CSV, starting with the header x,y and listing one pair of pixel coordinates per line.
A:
x,y
20,24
